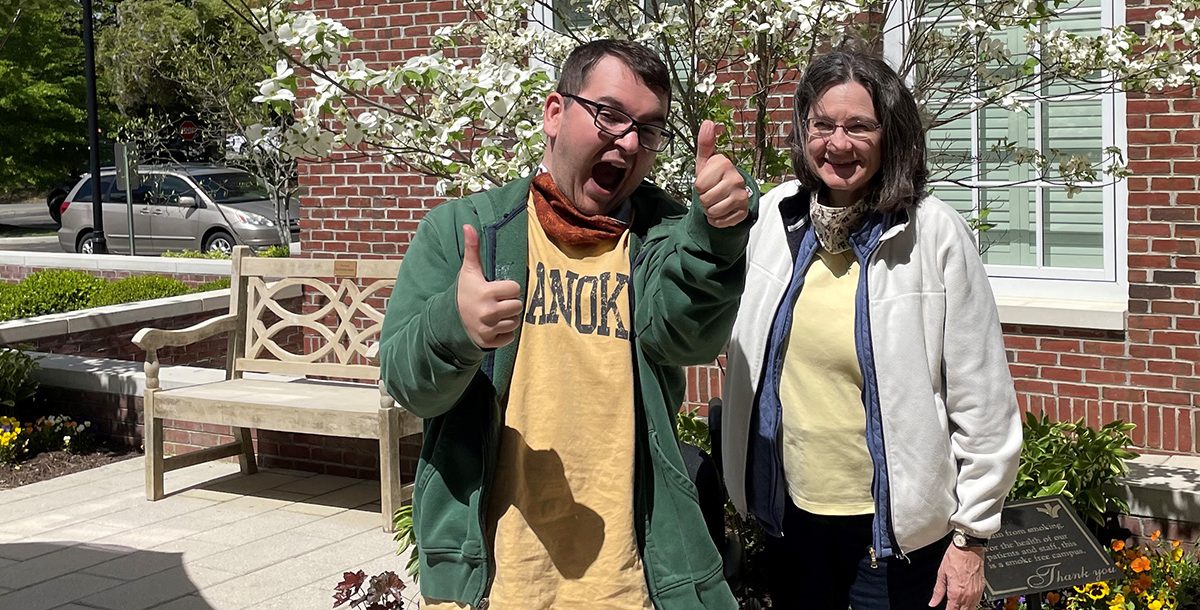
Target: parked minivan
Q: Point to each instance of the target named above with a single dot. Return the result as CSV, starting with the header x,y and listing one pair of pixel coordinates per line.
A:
x,y
177,207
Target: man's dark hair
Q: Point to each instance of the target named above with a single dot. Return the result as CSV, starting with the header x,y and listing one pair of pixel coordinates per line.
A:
x,y
641,60
900,182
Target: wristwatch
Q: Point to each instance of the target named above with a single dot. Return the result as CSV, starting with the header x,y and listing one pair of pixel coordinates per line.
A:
x,y
963,540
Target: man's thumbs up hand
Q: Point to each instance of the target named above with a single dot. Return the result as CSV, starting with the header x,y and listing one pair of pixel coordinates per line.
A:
x,y
721,189
490,311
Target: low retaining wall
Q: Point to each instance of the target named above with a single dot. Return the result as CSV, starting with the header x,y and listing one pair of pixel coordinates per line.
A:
x,y
109,393
191,271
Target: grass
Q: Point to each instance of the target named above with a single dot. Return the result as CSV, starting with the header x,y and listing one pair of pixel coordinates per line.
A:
x,y
15,231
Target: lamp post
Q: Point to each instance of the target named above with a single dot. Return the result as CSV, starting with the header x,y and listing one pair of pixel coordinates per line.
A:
x,y
100,246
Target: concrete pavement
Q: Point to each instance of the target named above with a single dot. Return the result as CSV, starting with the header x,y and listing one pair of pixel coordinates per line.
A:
x,y
274,540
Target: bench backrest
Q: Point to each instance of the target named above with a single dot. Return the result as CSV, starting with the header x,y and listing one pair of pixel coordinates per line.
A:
x,y
341,315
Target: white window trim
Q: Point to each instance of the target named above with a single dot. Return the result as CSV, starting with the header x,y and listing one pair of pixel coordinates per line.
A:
x,y
1094,299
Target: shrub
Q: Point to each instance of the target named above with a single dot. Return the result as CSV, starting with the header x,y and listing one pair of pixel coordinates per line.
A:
x,y
215,254
16,378
1077,461
402,524
138,288
274,252
213,285
692,430
49,291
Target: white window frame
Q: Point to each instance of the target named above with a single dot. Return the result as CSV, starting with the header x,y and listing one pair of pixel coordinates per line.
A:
x,y
1081,298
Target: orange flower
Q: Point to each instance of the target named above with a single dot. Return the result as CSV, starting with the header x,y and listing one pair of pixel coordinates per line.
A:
x,y
1154,537
1117,545
1141,564
1053,598
1144,581
1012,603
1174,544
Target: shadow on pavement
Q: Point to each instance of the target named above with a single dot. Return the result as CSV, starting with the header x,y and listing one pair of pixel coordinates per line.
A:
x,y
35,575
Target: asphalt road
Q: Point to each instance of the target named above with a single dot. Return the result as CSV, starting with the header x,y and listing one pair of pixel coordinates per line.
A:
x,y
27,227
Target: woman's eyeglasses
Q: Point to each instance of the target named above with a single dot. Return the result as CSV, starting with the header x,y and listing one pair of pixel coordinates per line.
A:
x,y
856,129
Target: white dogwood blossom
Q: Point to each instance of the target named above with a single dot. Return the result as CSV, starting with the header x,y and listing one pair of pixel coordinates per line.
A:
x,y
469,112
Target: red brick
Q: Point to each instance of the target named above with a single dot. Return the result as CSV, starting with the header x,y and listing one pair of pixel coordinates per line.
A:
x,y
1081,391
1152,381
1173,184
1173,121
1150,137
1061,374
1059,345
1045,358
1168,398
1175,338
1105,378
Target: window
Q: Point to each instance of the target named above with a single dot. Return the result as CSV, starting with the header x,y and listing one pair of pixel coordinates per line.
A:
x,y
1042,243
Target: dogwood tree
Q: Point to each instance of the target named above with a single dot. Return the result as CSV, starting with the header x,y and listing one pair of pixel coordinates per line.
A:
x,y
469,111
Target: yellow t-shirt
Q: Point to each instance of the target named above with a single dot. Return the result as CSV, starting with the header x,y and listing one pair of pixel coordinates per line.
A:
x,y
561,507
825,458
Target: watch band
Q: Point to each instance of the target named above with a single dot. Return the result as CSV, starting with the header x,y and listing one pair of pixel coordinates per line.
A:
x,y
962,540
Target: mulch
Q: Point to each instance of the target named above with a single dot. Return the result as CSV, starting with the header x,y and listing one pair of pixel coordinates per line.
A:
x,y
52,464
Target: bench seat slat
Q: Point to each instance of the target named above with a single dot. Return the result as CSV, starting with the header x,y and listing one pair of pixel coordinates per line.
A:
x,y
304,407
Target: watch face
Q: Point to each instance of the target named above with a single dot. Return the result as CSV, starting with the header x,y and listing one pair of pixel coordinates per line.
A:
x,y
959,539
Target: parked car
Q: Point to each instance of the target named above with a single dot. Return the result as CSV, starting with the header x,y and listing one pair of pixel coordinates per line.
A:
x,y
177,207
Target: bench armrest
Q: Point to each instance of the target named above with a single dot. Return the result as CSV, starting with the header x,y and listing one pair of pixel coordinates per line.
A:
x,y
152,339
155,338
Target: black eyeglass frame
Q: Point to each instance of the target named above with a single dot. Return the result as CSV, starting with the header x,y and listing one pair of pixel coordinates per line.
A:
x,y
596,108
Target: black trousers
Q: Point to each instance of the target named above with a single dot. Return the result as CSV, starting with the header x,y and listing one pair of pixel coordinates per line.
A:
x,y
824,563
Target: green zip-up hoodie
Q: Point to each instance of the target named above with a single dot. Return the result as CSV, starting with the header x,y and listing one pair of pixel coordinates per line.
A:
x,y
687,278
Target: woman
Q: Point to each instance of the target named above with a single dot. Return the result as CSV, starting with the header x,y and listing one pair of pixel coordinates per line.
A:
x,y
870,421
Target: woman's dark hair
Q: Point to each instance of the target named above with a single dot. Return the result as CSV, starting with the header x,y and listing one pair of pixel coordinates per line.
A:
x,y
641,60
900,183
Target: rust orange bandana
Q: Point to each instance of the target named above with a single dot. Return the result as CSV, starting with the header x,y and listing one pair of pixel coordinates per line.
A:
x,y
562,222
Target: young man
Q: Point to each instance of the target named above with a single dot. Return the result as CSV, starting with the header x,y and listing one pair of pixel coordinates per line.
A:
x,y
540,328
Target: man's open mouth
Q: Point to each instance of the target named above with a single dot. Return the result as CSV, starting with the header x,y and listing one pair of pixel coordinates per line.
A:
x,y
608,176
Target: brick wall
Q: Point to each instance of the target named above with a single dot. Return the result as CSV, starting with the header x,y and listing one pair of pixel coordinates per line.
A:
x,y
1150,373
116,343
1147,374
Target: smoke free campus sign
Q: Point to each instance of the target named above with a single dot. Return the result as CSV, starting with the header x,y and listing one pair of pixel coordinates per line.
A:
x,y
1043,546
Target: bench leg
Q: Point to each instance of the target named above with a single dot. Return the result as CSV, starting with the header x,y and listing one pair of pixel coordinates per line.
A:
x,y
249,465
389,465
152,439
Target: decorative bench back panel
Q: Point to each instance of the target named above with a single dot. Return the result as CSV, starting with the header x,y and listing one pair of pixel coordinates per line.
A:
x,y
342,318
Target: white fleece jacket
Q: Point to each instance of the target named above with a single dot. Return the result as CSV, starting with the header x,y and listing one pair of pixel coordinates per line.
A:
x,y
952,430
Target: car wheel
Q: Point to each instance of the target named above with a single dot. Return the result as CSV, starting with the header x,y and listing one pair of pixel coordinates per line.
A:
x,y
54,206
219,241
86,243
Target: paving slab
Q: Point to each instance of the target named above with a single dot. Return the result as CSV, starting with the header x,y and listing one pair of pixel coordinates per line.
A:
x,y
312,596
157,589
56,592
192,602
260,526
222,541
145,562
318,484
260,553
65,560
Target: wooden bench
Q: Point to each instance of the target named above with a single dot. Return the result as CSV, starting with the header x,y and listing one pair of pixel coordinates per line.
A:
x,y
332,389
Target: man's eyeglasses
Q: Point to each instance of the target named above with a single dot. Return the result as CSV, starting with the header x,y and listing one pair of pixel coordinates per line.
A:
x,y
616,124
857,129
